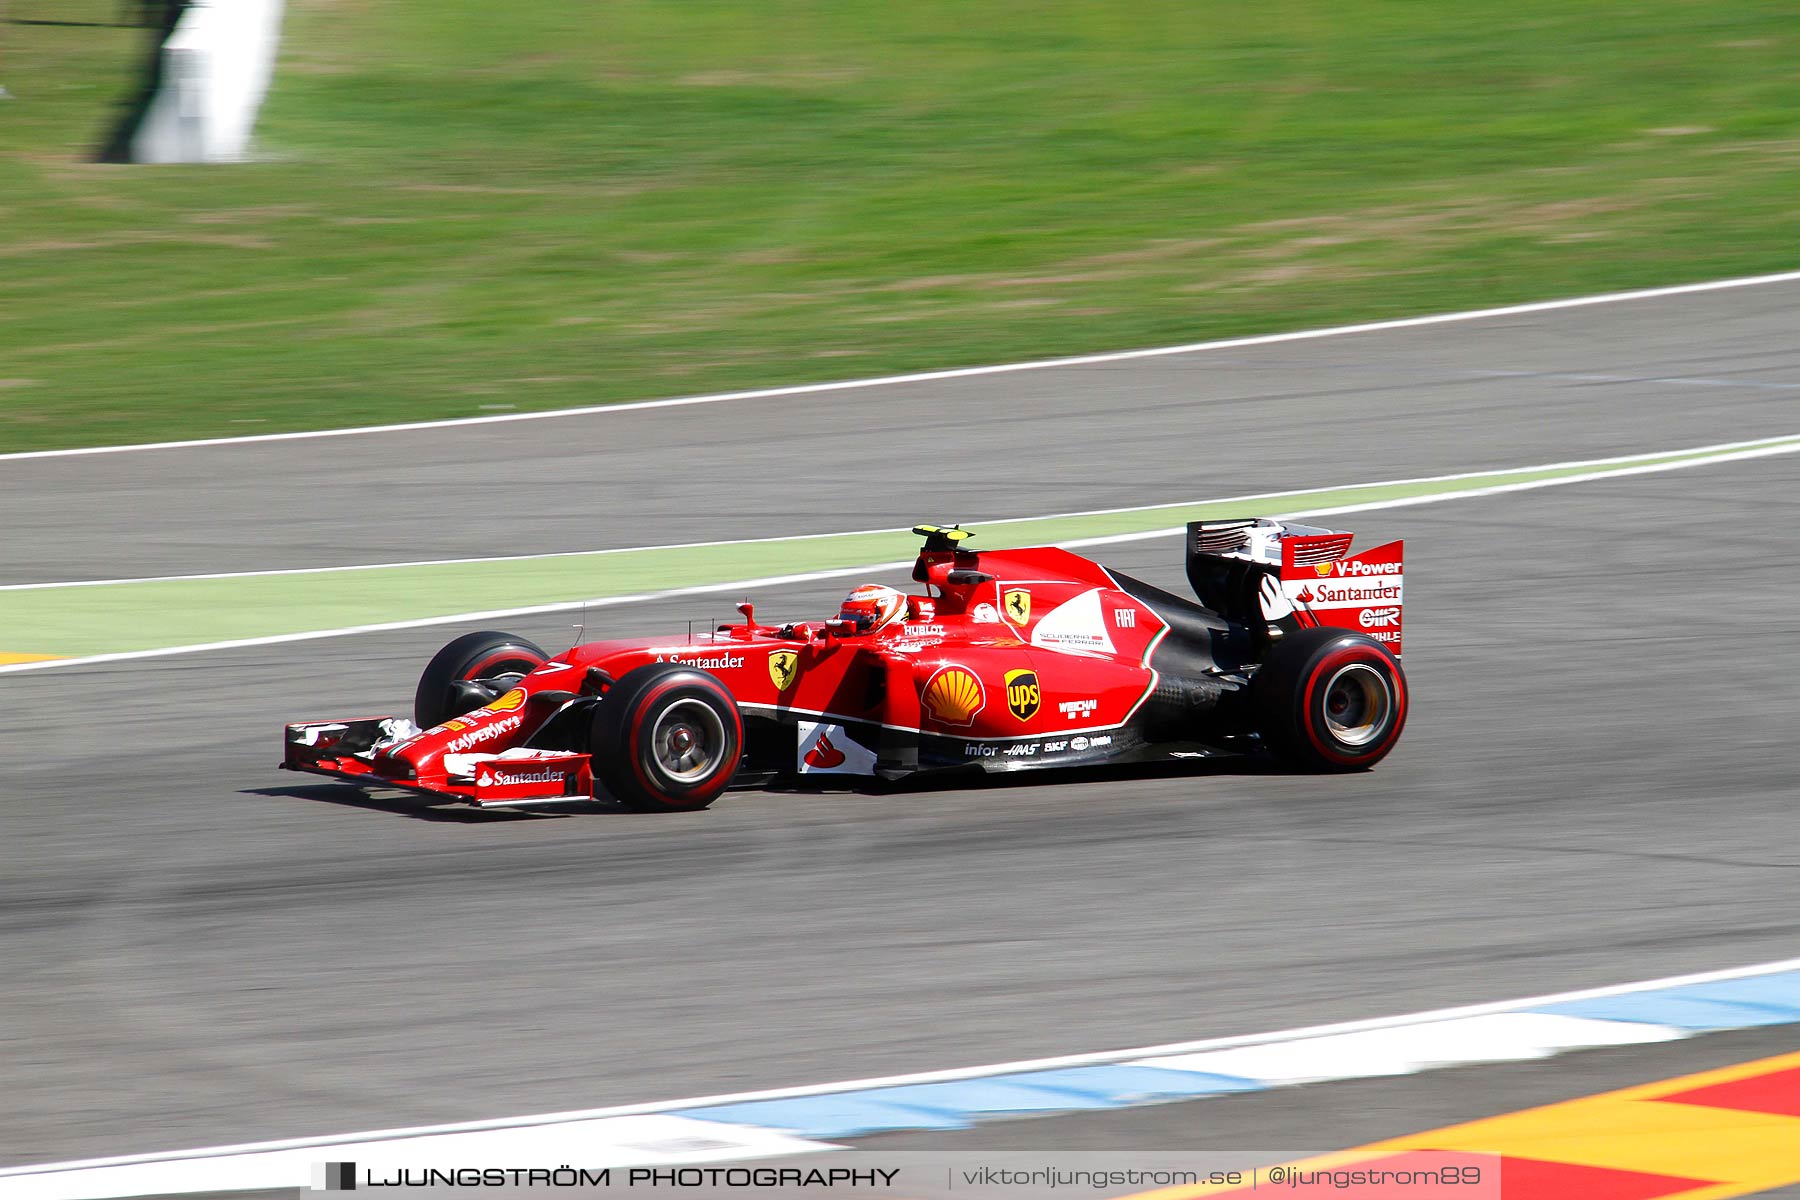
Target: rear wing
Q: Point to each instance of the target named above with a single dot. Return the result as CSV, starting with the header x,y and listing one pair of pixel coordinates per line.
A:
x,y
1266,572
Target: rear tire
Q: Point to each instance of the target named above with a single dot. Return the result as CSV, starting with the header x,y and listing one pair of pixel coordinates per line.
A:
x,y
666,738
1330,700
443,693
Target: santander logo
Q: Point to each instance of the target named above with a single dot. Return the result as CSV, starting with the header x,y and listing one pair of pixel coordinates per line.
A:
x,y
824,756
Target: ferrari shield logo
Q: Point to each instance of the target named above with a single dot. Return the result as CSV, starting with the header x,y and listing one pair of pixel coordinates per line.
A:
x,y
1023,695
784,668
1017,603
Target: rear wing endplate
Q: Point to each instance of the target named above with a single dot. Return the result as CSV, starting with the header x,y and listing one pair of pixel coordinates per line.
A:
x,y
1298,576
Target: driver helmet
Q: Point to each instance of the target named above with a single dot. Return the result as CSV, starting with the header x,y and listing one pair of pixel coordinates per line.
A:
x,y
873,606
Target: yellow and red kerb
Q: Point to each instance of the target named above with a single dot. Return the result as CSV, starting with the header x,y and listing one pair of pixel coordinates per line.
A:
x,y
1730,1132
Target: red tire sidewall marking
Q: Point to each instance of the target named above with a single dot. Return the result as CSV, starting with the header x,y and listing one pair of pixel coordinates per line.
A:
x,y
496,658
1360,652
635,749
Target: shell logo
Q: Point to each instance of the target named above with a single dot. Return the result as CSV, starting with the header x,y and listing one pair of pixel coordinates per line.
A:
x,y
953,696
1323,568
508,702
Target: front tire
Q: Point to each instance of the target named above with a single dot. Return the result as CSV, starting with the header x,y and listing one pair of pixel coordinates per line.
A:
x,y
1330,700
448,689
666,738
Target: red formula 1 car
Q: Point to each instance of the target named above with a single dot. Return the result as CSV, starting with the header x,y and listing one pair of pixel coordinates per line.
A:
x,y
1011,659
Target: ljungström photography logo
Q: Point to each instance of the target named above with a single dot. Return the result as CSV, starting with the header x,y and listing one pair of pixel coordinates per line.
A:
x,y
334,1177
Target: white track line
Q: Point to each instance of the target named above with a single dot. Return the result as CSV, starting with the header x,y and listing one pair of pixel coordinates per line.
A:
x,y
1758,449
944,1076
1082,360
1771,444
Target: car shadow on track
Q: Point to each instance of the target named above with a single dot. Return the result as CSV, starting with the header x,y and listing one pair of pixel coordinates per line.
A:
x,y
406,804
974,779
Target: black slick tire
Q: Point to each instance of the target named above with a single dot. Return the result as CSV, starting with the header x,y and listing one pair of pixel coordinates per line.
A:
x,y
1330,700
443,688
666,738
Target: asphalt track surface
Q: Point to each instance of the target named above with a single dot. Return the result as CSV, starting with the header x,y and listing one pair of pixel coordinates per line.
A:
x,y
1501,392
1596,783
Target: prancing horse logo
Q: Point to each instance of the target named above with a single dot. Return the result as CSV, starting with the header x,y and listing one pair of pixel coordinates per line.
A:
x,y
784,668
1018,605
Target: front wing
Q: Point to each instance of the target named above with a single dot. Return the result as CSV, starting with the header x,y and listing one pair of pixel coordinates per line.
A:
x,y
345,750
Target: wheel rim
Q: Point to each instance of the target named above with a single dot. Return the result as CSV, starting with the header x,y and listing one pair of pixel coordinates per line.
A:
x,y
687,741
1358,704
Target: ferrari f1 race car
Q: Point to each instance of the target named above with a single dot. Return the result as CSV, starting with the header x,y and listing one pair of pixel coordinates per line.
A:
x,y
1009,660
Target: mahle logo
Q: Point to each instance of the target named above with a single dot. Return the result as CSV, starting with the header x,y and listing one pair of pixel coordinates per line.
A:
x,y
1023,695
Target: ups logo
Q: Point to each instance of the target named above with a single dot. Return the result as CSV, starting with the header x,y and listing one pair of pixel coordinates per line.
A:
x,y
1023,695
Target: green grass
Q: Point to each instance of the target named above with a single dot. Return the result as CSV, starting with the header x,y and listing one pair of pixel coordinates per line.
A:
x,y
462,205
